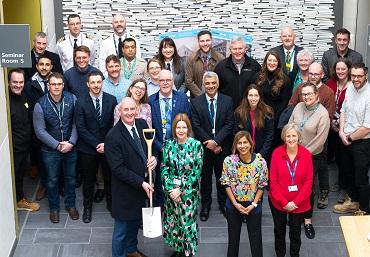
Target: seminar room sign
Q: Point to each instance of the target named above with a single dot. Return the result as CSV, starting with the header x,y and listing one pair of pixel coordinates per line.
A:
x,y
15,46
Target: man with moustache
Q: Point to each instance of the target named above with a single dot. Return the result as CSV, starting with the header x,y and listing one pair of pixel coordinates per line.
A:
x,y
204,59
40,42
53,121
237,71
288,51
68,43
212,121
132,66
126,150
94,118
341,49
354,130
113,43
21,135
34,90
165,105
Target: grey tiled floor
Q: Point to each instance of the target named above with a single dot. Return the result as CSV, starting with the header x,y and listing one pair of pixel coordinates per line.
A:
x,y
40,238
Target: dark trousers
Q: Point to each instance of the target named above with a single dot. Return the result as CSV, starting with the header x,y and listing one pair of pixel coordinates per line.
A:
x,y
20,166
357,162
234,225
36,159
158,190
320,168
90,166
336,149
212,162
281,219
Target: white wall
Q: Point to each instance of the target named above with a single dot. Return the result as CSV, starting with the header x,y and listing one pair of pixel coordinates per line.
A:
x,y
362,21
48,22
7,214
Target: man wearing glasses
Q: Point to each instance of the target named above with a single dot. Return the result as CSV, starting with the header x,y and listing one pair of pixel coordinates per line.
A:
x,y
354,130
165,105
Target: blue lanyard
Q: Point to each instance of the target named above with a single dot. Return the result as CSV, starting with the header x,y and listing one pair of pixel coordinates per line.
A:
x,y
292,172
305,119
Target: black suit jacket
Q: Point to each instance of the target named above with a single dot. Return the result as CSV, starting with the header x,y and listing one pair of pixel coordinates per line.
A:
x,y
57,67
280,50
128,171
201,120
33,92
91,131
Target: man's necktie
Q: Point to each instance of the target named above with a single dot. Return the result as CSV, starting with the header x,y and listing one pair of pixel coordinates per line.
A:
x,y
205,63
212,112
45,82
288,58
138,143
75,44
168,66
120,54
97,108
168,113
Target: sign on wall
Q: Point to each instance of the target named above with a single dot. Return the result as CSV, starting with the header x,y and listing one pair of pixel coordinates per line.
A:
x,y
15,46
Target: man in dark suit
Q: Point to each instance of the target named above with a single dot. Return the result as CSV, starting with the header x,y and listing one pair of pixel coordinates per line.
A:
x,y
288,53
212,121
94,118
125,151
40,42
165,105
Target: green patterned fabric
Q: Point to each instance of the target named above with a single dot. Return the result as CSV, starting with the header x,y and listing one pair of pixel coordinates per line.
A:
x,y
181,167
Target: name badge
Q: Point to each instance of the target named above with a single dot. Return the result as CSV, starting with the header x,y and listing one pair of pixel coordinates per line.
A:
x,y
293,188
213,131
177,181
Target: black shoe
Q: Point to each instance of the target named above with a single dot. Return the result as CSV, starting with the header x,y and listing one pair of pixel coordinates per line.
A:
x,y
99,195
309,231
204,214
176,254
86,216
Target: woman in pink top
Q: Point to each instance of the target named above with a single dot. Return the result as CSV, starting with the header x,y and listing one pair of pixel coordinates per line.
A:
x,y
291,176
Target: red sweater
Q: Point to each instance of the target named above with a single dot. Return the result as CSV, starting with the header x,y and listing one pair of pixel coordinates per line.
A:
x,y
332,83
280,179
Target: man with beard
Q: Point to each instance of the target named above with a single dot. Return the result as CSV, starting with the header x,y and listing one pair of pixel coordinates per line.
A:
x,y
34,90
113,43
132,67
204,59
40,42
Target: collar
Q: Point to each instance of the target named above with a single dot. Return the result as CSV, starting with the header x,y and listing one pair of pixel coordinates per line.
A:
x,y
241,63
363,88
285,154
100,97
343,56
162,96
111,81
209,98
290,50
73,38
129,127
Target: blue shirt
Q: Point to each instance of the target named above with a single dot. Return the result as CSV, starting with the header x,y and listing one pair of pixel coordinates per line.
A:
x,y
118,90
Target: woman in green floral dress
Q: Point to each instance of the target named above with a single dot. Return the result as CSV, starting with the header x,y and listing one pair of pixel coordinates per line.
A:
x,y
181,170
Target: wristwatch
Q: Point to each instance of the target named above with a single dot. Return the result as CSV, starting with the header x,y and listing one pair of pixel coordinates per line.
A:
x,y
349,139
254,204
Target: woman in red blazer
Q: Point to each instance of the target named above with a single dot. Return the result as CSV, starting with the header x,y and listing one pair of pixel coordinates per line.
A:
x,y
291,177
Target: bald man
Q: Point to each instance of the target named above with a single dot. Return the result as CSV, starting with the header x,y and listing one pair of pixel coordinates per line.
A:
x,y
113,43
288,53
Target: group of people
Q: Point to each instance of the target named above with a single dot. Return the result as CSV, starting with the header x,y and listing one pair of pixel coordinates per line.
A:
x,y
254,126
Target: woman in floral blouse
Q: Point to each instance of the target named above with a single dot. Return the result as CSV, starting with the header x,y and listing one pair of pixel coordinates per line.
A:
x,y
181,169
244,175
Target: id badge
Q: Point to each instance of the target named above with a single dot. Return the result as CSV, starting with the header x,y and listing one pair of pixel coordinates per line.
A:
x,y
177,182
293,188
213,131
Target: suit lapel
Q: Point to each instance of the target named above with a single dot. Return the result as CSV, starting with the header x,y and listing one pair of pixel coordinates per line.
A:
x,y
91,106
156,113
126,134
205,109
105,104
218,110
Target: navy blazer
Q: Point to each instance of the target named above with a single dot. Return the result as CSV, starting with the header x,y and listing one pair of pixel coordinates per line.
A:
x,y
263,137
280,50
91,131
180,104
128,171
224,124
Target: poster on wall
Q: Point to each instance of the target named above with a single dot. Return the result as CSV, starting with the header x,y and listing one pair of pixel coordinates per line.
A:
x,y
187,42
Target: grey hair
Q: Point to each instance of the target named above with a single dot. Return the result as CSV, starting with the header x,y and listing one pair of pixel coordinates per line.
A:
x,y
210,74
165,71
40,34
237,39
305,52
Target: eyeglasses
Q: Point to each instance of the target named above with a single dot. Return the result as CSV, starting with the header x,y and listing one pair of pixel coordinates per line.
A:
x,y
155,68
307,94
165,80
357,76
314,74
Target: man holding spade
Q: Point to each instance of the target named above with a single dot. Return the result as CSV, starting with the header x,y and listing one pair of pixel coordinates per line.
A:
x,y
126,150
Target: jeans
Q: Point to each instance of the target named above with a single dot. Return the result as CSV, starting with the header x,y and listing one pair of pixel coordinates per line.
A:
x,y
234,225
357,162
124,238
280,221
54,162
